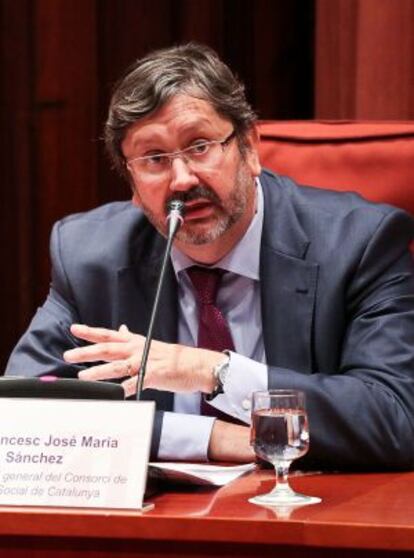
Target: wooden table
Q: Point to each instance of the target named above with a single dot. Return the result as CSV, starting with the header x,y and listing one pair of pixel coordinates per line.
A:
x,y
369,515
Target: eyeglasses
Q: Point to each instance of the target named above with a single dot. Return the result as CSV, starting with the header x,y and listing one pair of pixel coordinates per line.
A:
x,y
199,156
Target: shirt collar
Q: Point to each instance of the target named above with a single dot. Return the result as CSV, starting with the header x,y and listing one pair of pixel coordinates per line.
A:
x,y
244,258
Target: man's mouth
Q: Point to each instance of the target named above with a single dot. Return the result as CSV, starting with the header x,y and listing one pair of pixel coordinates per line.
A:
x,y
198,209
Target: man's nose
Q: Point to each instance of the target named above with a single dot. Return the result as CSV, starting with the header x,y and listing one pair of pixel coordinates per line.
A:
x,y
182,176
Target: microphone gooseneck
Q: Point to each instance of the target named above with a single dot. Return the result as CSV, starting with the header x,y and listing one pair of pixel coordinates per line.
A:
x,y
174,220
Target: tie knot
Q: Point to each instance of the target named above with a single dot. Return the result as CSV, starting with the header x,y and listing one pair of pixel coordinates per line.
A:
x,y
206,282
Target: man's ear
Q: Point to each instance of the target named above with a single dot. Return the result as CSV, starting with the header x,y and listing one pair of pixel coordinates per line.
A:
x,y
136,198
251,140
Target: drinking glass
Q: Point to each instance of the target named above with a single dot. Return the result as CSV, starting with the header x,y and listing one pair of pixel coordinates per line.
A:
x,y
280,434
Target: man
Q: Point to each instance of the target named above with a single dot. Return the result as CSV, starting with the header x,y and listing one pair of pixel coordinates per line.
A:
x,y
318,288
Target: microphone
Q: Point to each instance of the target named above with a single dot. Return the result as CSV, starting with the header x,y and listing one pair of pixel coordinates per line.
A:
x,y
175,216
175,219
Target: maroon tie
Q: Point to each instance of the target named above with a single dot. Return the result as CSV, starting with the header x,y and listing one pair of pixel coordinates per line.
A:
x,y
213,330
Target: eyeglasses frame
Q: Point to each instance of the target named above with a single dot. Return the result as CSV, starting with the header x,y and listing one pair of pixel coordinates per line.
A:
x,y
174,154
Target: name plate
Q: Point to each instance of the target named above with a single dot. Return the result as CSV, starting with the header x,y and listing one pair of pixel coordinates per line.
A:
x,y
76,453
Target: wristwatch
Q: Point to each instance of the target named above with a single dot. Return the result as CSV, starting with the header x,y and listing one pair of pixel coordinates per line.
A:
x,y
220,372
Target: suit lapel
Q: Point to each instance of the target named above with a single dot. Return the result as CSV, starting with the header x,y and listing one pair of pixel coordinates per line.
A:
x,y
136,292
288,289
288,283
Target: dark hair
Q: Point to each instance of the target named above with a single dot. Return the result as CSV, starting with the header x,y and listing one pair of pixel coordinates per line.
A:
x,y
153,80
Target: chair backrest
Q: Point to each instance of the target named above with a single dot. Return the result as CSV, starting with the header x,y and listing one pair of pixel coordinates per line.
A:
x,y
375,159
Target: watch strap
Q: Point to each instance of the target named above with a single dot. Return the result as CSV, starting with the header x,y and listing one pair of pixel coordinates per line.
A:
x,y
219,373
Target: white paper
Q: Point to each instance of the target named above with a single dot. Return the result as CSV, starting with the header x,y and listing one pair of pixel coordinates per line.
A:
x,y
77,453
199,473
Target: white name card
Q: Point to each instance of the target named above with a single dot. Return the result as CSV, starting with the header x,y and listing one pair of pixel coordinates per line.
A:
x,y
77,453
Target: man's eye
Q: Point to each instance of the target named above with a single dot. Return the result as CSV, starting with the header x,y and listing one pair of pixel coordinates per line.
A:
x,y
156,159
200,148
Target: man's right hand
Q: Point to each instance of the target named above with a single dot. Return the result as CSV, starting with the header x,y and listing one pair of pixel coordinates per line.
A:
x,y
170,367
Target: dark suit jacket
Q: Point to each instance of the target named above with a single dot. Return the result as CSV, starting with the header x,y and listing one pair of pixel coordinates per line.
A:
x,y
337,289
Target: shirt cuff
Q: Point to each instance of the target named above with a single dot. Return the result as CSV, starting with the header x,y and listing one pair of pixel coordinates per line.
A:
x,y
243,378
185,437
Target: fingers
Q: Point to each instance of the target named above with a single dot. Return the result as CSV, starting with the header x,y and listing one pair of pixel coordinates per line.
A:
x,y
100,334
109,371
101,351
107,344
112,371
119,349
130,386
171,367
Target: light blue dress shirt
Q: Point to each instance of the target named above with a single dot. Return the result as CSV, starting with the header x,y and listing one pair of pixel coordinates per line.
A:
x,y
239,301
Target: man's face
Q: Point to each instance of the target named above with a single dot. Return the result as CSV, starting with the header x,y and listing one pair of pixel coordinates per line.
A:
x,y
219,198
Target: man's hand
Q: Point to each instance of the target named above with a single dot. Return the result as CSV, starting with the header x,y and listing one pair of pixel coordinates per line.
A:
x,y
170,367
230,442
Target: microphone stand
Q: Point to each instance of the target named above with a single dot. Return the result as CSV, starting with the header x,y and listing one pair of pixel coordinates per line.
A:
x,y
175,220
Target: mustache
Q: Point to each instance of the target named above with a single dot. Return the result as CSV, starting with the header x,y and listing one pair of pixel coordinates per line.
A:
x,y
196,192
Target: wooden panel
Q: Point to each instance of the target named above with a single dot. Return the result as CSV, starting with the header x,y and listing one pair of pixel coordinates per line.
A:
x,y
364,59
335,58
281,74
16,216
370,515
200,21
65,118
385,71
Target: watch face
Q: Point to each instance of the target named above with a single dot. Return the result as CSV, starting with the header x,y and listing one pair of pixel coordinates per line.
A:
x,y
223,371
